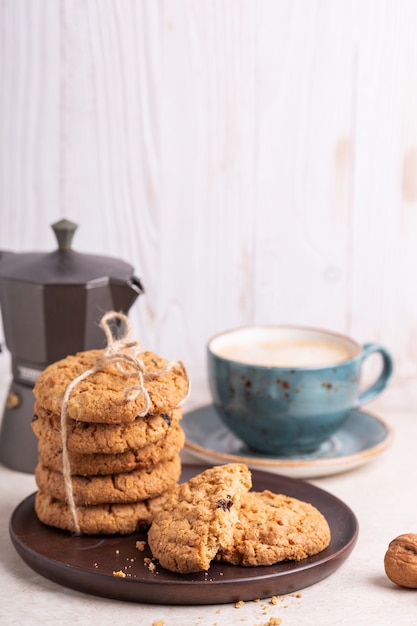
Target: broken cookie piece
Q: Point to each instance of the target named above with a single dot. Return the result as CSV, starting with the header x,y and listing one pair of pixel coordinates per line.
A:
x,y
275,527
199,519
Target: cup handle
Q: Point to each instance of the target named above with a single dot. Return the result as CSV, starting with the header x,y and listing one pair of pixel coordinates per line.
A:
x,y
381,382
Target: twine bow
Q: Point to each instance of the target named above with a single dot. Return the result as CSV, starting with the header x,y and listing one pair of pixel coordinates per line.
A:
x,y
123,354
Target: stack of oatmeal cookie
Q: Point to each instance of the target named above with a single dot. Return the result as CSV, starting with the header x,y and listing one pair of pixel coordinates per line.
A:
x,y
109,440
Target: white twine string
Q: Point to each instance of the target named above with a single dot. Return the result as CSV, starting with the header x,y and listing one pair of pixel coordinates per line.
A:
x,y
123,354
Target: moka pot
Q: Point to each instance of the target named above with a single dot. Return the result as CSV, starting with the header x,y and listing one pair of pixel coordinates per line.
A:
x,y
51,306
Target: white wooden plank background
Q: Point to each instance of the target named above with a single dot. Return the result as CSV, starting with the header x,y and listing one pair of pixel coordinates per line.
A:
x,y
254,160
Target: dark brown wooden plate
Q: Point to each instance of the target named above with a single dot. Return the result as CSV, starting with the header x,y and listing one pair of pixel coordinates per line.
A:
x,y
87,563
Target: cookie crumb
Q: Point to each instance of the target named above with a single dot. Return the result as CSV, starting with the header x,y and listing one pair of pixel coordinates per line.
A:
x,y
274,600
140,545
149,563
299,595
274,621
239,604
158,622
119,574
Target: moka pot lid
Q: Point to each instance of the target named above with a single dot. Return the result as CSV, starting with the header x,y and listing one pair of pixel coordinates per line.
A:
x,y
65,266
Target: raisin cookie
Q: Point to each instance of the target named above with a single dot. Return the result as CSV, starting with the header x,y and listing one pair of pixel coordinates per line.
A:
x,y
199,518
86,438
101,396
126,487
274,527
50,456
100,519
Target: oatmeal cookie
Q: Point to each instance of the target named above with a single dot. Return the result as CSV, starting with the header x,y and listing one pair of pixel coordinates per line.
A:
x,y
101,396
50,456
199,518
274,527
100,519
89,438
127,487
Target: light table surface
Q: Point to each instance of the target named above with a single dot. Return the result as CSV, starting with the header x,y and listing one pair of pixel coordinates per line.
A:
x,y
380,493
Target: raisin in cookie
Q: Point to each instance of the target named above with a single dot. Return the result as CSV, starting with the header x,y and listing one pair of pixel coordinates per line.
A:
x,y
85,437
274,527
101,396
199,519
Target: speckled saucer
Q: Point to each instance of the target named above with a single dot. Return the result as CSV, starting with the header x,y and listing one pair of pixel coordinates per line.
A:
x,y
362,438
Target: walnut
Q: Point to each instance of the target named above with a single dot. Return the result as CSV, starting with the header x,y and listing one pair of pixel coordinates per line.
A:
x,y
400,561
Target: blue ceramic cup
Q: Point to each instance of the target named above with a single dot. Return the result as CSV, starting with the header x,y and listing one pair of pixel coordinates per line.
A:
x,y
284,390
